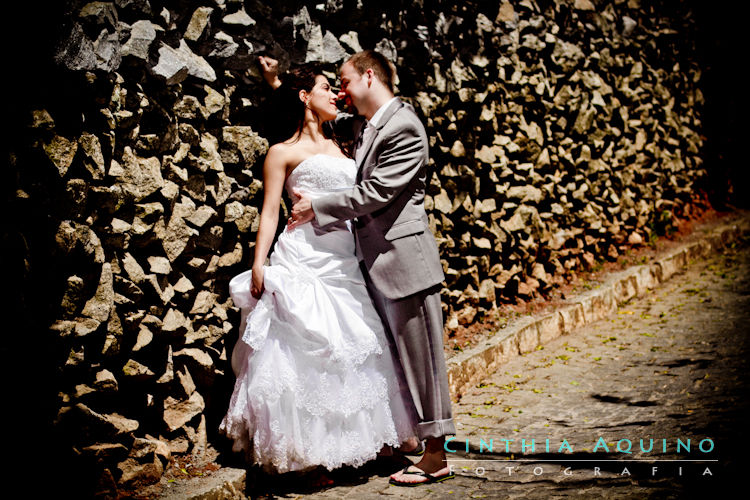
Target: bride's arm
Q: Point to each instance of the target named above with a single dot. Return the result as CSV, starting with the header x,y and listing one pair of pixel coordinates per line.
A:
x,y
274,173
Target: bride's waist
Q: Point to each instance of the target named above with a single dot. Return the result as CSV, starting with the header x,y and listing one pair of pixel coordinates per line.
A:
x,y
316,192
312,231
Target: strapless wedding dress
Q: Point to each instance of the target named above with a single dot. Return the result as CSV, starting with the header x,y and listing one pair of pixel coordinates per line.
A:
x,y
316,383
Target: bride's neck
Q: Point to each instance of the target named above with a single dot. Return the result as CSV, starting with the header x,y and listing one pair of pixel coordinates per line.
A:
x,y
313,130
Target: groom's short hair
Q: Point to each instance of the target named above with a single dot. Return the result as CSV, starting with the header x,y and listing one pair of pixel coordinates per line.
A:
x,y
380,65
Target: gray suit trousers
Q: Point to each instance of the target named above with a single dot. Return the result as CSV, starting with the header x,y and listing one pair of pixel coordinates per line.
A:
x,y
418,322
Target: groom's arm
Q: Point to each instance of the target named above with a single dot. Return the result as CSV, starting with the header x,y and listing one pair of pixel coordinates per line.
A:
x,y
402,158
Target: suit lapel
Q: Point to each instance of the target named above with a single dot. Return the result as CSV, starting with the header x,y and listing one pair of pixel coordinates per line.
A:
x,y
367,145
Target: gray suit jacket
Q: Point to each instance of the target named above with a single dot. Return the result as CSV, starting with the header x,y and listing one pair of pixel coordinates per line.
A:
x,y
392,236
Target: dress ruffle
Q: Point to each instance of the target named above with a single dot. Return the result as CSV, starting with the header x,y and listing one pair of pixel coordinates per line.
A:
x,y
316,384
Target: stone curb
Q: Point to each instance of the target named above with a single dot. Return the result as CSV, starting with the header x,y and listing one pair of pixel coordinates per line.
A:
x,y
225,484
468,368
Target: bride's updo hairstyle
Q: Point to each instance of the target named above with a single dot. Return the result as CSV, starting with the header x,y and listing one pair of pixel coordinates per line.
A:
x,y
288,118
301,78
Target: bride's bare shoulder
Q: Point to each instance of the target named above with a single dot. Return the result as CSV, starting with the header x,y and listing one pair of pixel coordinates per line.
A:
x,y
280,153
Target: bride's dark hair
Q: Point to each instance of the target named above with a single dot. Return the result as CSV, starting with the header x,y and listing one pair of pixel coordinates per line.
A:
x,y
287,117
301,78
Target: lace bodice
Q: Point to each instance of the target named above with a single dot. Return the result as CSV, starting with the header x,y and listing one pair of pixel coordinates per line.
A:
x,y
322,173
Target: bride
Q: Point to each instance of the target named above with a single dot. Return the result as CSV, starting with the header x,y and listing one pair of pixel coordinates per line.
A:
x,y
316,384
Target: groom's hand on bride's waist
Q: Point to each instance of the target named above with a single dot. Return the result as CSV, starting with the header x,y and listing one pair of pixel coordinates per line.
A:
x,y
302,210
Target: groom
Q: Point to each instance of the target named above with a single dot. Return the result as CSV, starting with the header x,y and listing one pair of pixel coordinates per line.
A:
x,y
398,252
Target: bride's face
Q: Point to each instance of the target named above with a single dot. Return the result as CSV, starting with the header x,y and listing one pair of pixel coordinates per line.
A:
x,y
321,100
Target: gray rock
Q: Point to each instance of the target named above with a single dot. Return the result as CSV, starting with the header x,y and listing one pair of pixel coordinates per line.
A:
x,y
443,202
524,193
247,222
334,6
209,153
628,25
133,472
525,218
72,297
241,145
204,302
140,7
183,285
176,64
350,40
140,177
171,66
71,235
145,447
461,73
235,256
109,424
188,108
315,48
197,357
159,265
506,14
566,55
303,25
168,374
105,450
213,102
635,239
105,381
175,322
198,23
76,51
388,49
201,216
186,382
61,152
198,438
135,370
176,237
146,214
41,119
178,413
100,305
99,13
93,151
585,119
532,42
584,5
484,24
142,35
333,52
224,46
239,18
85,326
107,51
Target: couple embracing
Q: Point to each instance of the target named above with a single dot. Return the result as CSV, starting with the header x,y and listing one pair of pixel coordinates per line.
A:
x,y
340,355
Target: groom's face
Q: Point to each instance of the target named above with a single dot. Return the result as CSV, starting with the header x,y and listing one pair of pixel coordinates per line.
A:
x,y
353,86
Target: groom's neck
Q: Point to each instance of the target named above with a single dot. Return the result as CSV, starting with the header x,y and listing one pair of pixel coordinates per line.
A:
x,y
378,98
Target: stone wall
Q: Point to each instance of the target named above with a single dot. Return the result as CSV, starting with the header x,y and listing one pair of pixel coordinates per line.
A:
x,y
561,133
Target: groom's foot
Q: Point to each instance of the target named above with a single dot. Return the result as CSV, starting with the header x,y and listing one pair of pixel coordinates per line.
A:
x,y
412,446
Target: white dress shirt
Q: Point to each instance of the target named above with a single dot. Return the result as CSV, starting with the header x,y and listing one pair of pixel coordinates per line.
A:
x,y
369,128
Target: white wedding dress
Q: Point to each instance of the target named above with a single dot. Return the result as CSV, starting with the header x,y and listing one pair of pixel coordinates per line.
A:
x,y
316,384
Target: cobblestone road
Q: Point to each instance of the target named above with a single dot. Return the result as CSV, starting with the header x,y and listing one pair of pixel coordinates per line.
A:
x,y
666,367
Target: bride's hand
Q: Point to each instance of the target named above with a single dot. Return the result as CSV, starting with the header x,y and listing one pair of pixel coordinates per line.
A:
x,y
270,67
256,289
